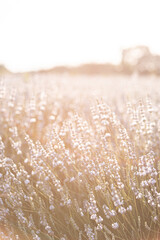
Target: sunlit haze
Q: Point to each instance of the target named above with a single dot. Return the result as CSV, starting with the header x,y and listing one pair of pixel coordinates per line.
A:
x,y
38,34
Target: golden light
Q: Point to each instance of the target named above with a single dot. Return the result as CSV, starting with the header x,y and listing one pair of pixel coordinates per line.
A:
x,y
44,33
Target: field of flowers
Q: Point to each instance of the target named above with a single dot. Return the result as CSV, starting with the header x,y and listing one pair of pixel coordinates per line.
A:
x,y
79,158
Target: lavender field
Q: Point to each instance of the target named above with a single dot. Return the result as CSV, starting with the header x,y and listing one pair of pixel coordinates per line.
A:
x,y
79,157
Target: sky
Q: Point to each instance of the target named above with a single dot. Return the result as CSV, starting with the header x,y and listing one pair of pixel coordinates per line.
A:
x,y
39,34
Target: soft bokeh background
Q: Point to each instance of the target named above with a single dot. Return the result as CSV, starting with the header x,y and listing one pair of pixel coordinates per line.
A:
x,y
37,34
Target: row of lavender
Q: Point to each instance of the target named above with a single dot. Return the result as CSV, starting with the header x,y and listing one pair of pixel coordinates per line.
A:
x,y
73,167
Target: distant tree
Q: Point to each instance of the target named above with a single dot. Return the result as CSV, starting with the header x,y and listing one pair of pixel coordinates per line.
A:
x,y
149,65
132,56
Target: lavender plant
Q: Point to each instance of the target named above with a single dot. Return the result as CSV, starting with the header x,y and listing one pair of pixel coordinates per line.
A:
x,y
73,167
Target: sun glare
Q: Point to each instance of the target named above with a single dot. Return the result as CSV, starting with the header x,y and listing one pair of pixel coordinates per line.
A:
x,y
41,34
